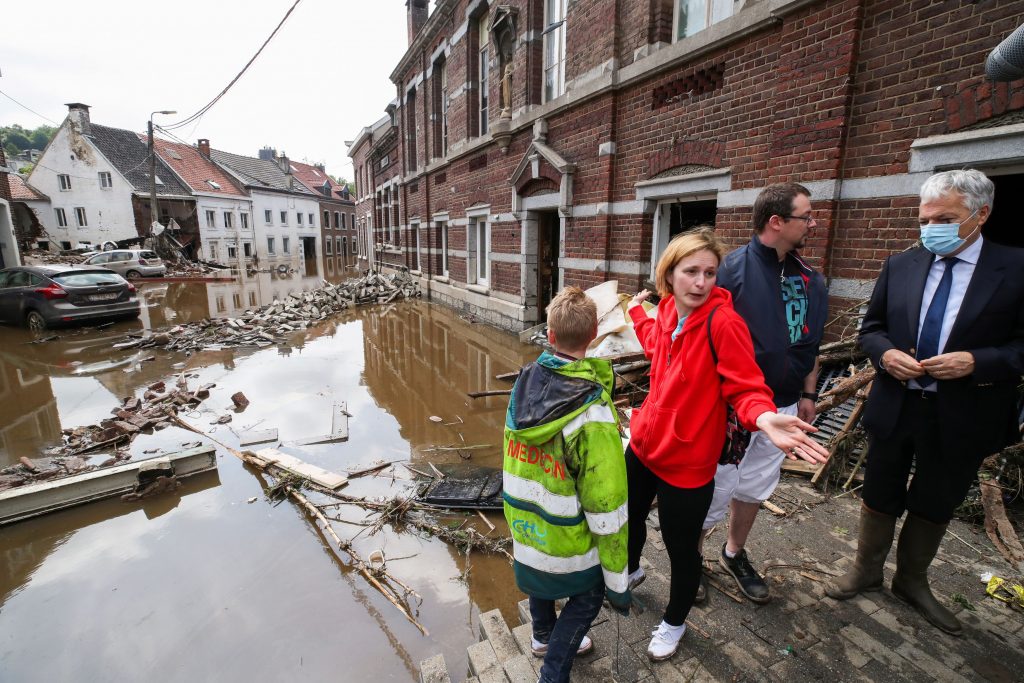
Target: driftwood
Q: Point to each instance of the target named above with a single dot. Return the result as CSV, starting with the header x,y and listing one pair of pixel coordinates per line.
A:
x,y
844,390
998,526
495,392
839,440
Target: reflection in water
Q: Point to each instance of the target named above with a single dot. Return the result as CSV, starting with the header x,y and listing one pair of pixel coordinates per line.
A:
x,y
206,573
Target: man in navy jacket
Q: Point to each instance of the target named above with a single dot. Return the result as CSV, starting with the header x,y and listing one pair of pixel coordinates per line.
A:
x,y
784,303
945,329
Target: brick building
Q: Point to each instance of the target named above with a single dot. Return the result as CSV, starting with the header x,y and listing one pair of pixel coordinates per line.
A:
x,y
337,222
536,143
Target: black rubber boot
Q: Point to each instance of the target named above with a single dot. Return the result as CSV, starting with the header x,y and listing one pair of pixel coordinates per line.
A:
x,y
873,544
918,544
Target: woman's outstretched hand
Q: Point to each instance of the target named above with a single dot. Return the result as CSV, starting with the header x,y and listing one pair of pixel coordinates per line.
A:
x,y
638,299
789,434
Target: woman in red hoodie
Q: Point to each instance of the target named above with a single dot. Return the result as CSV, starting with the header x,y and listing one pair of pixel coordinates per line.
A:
x,y
678,433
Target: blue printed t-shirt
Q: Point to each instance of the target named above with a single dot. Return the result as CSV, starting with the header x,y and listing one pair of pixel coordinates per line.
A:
x,y
794,301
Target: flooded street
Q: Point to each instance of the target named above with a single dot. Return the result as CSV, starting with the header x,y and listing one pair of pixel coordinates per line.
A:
x,y
200,584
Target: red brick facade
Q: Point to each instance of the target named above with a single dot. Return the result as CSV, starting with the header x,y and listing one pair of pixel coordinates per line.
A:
x,y
653,134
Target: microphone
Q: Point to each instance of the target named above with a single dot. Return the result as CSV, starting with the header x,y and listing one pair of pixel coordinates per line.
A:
x,y
1006,61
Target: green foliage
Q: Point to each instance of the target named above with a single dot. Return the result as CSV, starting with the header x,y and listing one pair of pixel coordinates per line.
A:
x,y
17,139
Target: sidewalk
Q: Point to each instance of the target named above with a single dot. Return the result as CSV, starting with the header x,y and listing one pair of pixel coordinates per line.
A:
x,y
801,635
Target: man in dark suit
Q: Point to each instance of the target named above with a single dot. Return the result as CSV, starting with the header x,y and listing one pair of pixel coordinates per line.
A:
x,y
945,328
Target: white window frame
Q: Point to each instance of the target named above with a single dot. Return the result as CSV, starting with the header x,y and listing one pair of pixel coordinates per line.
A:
x,y
419,257
65,182
444,249
714,11
243,218
554,49
247,249
211,218
212,244
478,238
232,251
81,218
328,247
483,74
268,216
312,220
228,220
443,68
298,218
284,218
106,180
337,220
327,219
270,245
285,245
62,218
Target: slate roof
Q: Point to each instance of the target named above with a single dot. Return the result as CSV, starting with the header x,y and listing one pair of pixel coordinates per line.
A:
x,y
130,156
23,192
195,169
258,173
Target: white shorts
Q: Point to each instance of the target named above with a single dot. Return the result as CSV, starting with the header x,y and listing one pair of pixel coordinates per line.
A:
x,y
753,480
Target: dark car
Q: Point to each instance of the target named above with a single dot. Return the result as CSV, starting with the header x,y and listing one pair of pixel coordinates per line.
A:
x,y
55,295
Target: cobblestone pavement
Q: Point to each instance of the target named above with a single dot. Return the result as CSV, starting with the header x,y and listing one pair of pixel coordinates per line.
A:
x,y
801,635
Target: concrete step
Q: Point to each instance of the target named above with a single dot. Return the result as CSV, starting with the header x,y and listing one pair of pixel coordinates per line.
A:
x,y
434,670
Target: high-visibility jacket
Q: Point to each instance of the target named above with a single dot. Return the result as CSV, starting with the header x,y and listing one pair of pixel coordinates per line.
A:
x,y
565,480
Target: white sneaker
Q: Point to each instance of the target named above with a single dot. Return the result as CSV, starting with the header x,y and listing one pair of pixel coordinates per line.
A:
x,y
636,578
665,641
540,649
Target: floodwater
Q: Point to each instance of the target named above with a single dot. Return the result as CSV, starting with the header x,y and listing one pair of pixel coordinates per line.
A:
x,y
201,584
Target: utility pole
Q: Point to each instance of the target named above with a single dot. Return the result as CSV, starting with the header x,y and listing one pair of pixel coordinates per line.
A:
x,y
152,173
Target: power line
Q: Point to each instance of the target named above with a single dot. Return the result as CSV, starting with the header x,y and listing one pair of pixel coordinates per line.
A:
x,y
199,114
27,109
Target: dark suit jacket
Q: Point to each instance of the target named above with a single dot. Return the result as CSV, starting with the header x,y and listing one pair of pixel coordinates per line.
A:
x,y
978,413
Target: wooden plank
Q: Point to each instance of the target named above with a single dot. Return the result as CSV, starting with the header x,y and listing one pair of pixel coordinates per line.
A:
x,y
339,421
33,500
257,436
289,463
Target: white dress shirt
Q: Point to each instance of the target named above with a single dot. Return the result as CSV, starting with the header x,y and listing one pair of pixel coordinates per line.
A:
x,y
963,271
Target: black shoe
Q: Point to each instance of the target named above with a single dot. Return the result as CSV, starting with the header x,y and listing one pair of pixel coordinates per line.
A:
x,y
748,580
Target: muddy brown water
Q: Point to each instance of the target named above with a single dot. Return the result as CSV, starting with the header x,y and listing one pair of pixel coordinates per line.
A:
x,y
203,585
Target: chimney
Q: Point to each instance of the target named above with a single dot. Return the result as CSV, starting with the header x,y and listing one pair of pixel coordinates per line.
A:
x,y
204,147
79,115
321,168
417,11
284,164
268,154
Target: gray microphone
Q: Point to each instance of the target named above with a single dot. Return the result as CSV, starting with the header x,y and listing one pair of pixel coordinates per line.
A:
x,y
1006,61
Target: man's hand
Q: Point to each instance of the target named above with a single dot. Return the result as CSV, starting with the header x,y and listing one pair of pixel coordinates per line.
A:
x,y
952,365
900,365
787,432
638,299
805,410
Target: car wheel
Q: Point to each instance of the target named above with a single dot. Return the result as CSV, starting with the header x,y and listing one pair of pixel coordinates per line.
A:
x,y
133,275
35,321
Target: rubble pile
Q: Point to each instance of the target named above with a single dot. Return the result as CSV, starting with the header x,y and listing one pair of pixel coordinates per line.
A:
x,y
81,444
184,268
43,257
270,324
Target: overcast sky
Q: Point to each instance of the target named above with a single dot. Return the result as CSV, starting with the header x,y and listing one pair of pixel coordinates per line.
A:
x,y
322,78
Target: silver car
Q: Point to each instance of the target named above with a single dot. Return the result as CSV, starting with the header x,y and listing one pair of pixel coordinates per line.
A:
x,y
130,263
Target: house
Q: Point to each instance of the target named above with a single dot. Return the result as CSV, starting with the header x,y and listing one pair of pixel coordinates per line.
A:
x,y
28,205
337,216
9,255
286,213
538,143
223,207
98,181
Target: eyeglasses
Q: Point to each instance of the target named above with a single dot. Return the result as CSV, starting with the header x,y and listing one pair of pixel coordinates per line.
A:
x,y
808,219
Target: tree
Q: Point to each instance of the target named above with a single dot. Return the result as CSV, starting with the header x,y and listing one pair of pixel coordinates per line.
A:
x,y
19,139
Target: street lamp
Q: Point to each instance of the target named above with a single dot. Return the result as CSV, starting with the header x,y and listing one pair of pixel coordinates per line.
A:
x,y
152,172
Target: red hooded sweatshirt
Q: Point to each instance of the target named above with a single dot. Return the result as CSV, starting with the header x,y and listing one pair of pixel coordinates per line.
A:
x,y
679,431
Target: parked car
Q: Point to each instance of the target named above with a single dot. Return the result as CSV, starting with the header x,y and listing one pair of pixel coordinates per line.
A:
x,y
54,295
131,263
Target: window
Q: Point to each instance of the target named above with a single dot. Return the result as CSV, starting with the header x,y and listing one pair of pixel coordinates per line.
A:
x,y
341,246
236,299
252,299
65,182
244,220
286,245
327,247
214,185
337,220
65,245
213,251
692,16
312,221
480,247
228,222
268,216
106,182
483,67
62,219
270,246
247,249
444,249
355,246
220,305
342,220
211,219
298,218
419,248
80,216
232,251
440,98
554,49
284,218
410,127
327,220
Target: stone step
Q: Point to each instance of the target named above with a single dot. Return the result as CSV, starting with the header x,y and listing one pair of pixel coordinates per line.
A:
x,y
434,670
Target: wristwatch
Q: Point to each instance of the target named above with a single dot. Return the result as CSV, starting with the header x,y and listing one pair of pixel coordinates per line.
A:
x,y
808,395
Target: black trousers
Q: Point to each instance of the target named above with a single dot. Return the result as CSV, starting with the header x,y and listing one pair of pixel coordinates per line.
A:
x,y
681,513
942,474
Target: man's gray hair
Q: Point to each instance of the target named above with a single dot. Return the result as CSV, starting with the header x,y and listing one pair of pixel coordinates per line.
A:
x,y
976,188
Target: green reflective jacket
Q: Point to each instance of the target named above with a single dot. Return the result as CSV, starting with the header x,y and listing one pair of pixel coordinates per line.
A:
x,y
565,480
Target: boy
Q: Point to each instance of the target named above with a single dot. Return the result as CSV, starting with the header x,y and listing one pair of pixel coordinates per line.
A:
x,y
565,487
